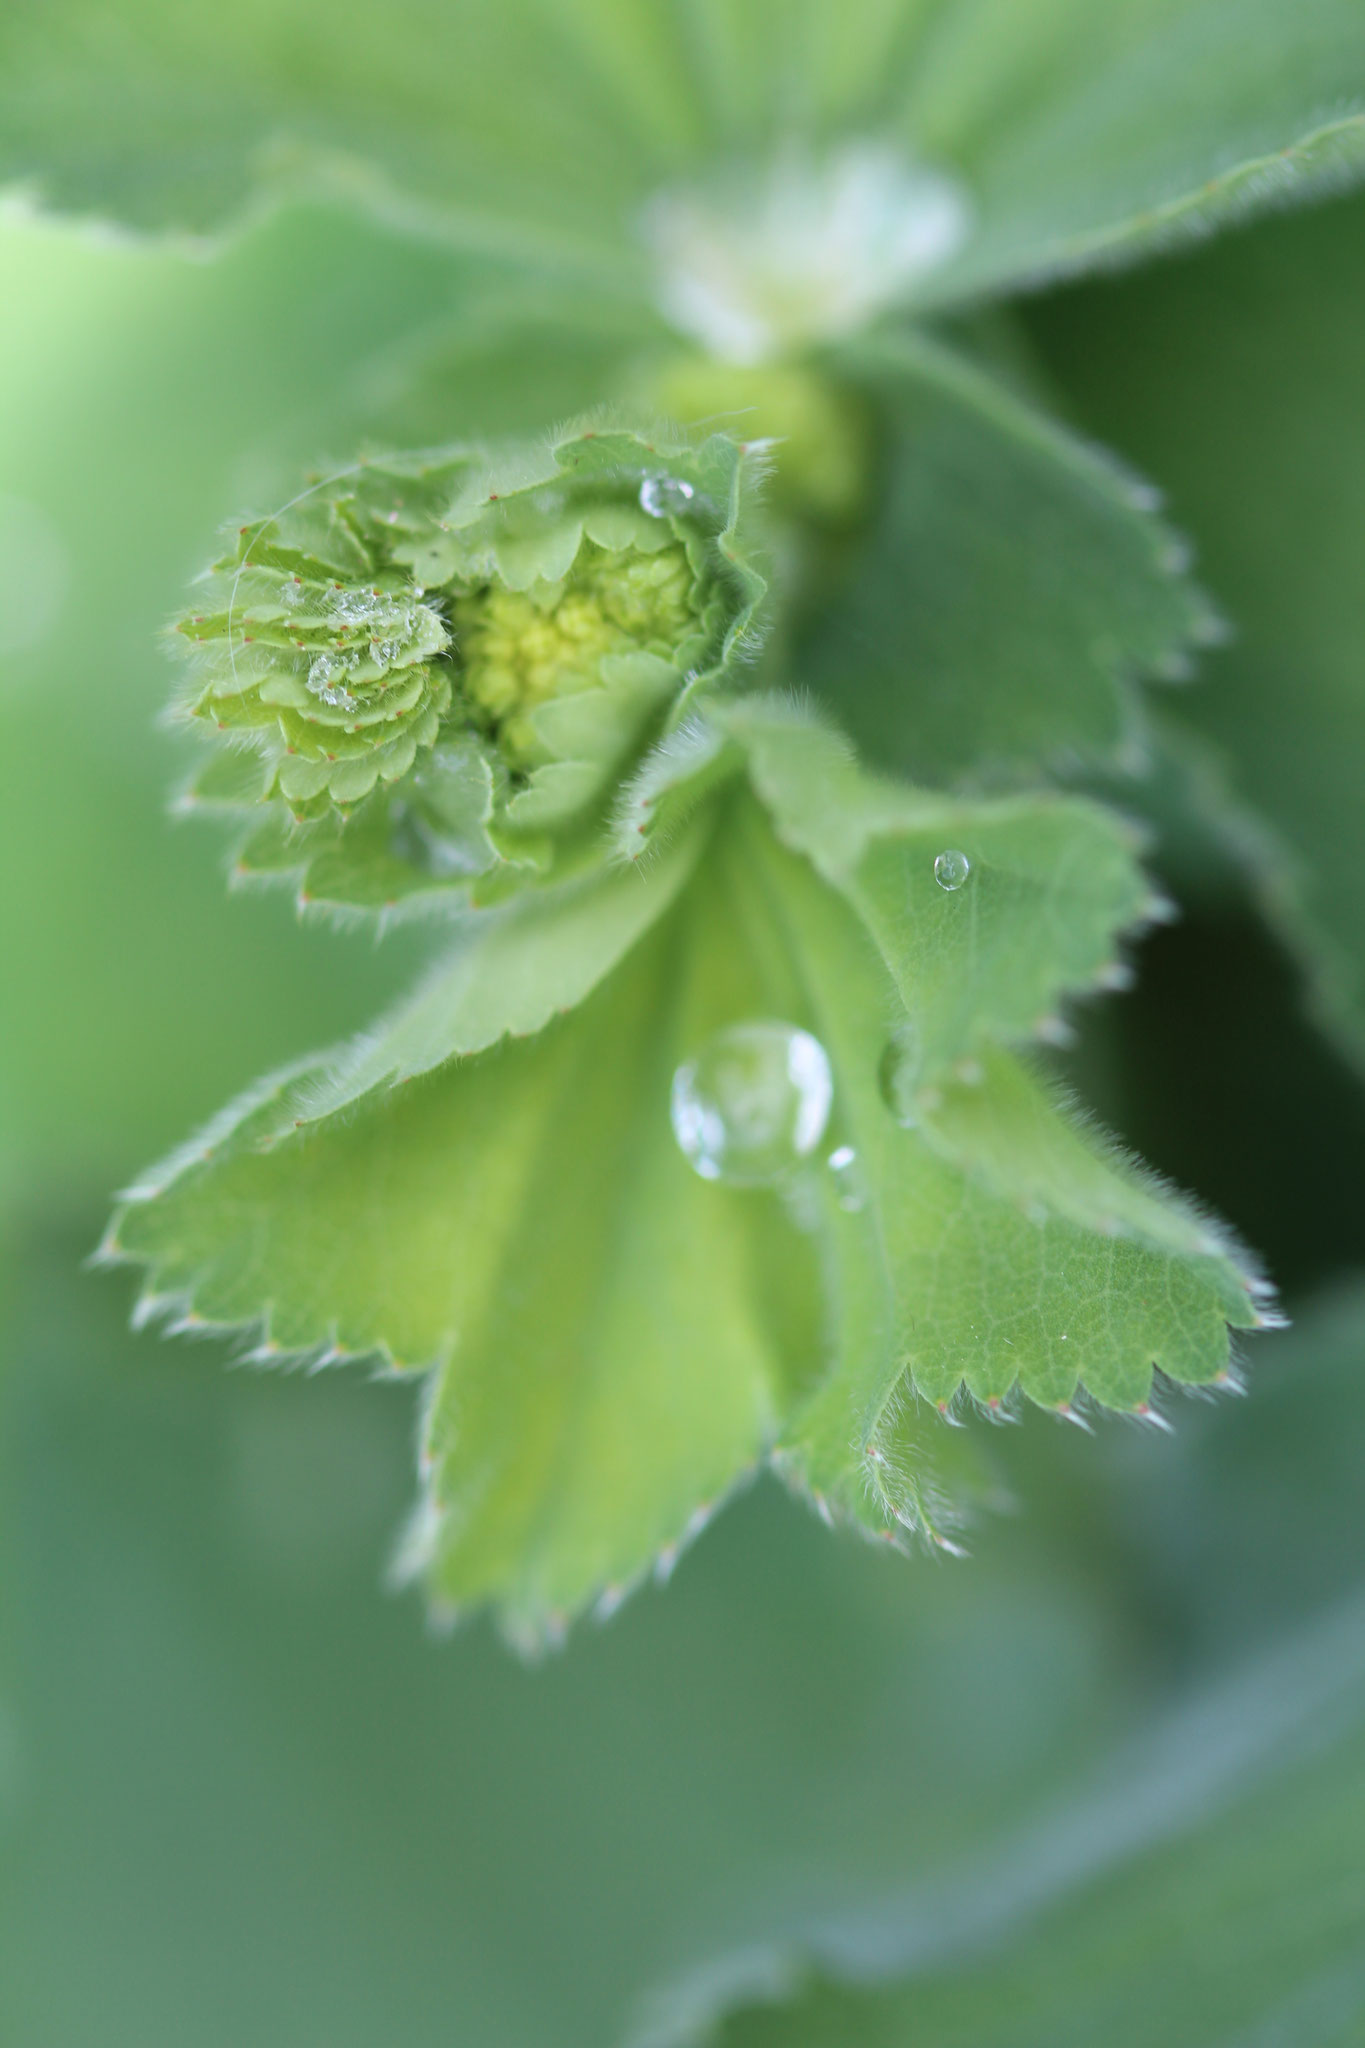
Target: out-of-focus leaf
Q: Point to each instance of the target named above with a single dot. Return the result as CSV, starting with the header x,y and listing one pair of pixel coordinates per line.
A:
x,y
1013,587
1243,1533
205,1655
538,129
1179,1908
508,362
1098,133
1235,379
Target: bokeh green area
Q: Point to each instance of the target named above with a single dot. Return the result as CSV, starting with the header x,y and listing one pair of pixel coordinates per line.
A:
x,y
245,1795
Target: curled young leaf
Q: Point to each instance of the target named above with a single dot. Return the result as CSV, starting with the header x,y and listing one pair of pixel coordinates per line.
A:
x,y
441,667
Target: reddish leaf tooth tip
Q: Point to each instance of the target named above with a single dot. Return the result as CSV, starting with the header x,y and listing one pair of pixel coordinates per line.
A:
x,y
665,1562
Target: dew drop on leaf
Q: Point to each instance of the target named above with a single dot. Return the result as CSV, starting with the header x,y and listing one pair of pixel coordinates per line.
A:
x,y
753,1103
662,496
848,1183
952,868
898,1077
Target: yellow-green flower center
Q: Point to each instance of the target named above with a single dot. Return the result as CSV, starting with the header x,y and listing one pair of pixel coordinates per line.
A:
x,y
519,648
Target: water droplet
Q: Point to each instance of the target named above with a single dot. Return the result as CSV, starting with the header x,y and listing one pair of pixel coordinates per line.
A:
x,y
324,673
898,1077
753,1103
663,496
952,868
843,1166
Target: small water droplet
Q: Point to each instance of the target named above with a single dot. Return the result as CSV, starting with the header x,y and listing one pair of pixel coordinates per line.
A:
x,y
324,678
843,1166
898,1077
952,868
663,496
753,1103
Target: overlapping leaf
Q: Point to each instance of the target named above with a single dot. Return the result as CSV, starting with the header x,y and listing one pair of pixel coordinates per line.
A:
x,y
1011,588
536,130
1256,421
990,1246
616,1337
1248,1894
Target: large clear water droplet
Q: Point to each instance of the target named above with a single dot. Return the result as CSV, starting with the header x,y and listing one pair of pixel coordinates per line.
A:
x,y
898,1077
665,496
952,868
753,1103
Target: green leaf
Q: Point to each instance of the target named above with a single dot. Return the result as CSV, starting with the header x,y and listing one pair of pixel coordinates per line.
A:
x,y
505,129
1100,133
1038,886
616,1339
511,971
993,1249
1256,421
537,131
195,1550
530,1206
1213,1898
511,358
1013,586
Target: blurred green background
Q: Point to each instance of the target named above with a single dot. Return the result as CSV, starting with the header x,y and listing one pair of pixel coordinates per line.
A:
x,y
244,1795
